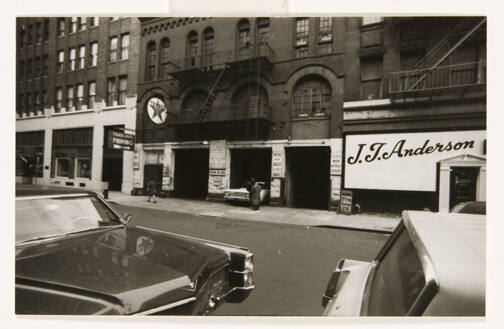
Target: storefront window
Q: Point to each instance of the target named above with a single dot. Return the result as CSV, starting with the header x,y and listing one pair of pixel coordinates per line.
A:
x,y
62,167
83,167
30,154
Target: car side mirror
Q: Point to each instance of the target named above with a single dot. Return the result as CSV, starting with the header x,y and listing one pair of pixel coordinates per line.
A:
x,y
127,218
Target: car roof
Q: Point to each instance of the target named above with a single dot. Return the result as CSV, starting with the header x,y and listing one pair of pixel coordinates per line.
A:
x,y
455,244
34,190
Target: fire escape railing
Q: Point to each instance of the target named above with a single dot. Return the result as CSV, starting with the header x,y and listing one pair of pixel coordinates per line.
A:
x,y
448,76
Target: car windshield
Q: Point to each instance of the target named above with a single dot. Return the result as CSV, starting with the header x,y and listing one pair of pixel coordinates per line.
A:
x,y
45,217
398,280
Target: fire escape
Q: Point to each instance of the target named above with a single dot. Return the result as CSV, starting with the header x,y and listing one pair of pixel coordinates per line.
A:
x,y
218,70
431,78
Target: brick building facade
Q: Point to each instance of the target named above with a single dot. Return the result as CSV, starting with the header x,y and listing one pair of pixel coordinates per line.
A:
x,y
241,98
76,81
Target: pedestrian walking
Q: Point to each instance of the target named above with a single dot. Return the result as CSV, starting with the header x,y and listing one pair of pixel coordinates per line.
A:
x,y
152,190
255,196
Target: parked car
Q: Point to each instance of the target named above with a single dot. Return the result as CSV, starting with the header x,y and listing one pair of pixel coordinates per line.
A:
x,y
433,264
76,255
470,207
242,195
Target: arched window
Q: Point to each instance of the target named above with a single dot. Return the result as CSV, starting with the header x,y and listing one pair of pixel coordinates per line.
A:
x,y
192,105
165,57
208,46
243,33
250,101
263,30
312,97
151,61
192,49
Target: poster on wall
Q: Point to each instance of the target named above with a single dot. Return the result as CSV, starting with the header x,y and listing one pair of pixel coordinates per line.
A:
x,y
406,161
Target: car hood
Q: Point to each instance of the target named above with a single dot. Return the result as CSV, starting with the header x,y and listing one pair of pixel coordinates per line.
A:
x,y
138,268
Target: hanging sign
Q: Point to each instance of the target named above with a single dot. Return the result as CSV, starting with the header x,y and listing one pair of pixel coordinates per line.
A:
x,y
121,141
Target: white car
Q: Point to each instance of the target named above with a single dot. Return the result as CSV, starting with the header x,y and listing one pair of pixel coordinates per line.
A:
x,y
242,195
432,265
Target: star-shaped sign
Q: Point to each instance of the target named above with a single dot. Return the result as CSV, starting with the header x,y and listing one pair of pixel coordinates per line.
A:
x,y
157,110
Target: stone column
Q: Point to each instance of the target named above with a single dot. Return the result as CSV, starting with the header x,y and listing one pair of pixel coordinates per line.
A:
x,y
336,164
46,179
97,159
218,176
168,170
277,198
138,160
444,188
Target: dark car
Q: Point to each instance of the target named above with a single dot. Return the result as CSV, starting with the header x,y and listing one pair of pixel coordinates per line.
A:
x,y
470,207
76,255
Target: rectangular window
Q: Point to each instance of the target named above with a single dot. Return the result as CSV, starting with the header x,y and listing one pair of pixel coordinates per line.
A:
x,y
44,99
93,21
367,20
62,167
45,31
22,37
61,27
22,68
83,168
82,23
82,57
325,29
38,32
124,46
371,79
37,66
61,62
111,91
58,104
302,32
93,54
80,96
91,94
73,24
123,88
70,97
30,35
71,59
113,49
28,102
37,101
45,65
21,104
29,70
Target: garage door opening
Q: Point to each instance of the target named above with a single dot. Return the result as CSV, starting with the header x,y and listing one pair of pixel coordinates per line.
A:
x,y
248,163
191,173
307,177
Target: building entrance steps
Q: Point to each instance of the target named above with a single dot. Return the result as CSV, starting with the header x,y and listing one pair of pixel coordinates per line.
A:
x,y
281,215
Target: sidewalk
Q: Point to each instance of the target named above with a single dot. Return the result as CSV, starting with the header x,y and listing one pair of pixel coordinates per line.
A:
x,y
281,215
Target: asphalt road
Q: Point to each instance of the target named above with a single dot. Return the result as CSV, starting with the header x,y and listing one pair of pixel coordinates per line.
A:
x,y
292,263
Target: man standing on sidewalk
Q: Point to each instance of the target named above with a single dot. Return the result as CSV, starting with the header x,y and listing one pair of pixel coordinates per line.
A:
x,y
255,195
151,190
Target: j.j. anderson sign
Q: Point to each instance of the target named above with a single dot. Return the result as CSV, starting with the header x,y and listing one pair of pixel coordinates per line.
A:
x,y
404,162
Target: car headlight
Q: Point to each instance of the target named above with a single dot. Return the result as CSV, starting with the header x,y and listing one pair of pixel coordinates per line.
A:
x,y
247,279
249,263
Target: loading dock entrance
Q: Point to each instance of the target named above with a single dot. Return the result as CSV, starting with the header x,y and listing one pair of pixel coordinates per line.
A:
x,y
191,173
248,163
307,177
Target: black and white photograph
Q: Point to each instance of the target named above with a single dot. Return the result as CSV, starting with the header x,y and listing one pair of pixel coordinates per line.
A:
x,y
323,166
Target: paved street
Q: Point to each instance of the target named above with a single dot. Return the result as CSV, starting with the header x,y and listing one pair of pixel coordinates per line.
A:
x,y
293,262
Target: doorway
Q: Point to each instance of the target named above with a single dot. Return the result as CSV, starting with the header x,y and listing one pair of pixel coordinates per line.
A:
x,y
191,173
248,163
307,177
462,184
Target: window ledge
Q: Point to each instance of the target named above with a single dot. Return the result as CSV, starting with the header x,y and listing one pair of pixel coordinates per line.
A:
x,y
114,107
73,112
312,118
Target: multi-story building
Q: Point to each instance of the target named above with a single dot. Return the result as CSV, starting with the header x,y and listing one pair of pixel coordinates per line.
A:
x,y
221,100
76,90
415,112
